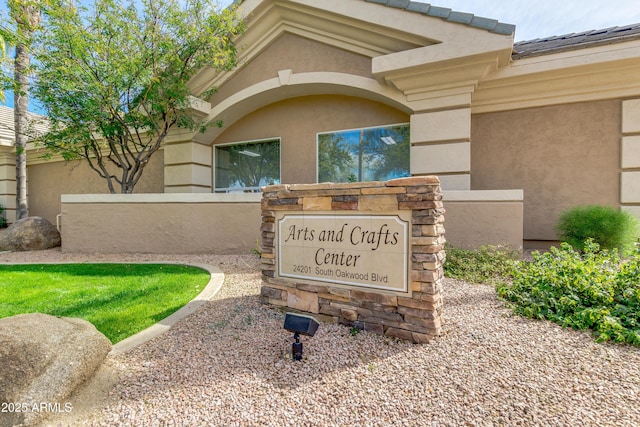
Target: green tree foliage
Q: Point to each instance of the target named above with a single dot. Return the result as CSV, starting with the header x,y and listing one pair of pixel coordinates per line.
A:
x,y
334,158
262,163
362,155
114,79
392,160
4,37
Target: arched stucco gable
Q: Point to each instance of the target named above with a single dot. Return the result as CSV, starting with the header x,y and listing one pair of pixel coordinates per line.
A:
x,y
297,53
290,85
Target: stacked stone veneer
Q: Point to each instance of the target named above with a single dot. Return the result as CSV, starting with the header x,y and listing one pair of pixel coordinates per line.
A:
x,y
415,315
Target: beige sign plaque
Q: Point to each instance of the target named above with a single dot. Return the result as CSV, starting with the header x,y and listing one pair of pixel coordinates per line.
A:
x,y
360,250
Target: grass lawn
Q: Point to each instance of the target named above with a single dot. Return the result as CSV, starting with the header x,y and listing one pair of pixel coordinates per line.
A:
x,y
119,299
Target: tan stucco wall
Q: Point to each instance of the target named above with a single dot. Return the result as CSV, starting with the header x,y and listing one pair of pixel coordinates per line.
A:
x,y
472,224
297,121
186,223
561,156
48,181
230,223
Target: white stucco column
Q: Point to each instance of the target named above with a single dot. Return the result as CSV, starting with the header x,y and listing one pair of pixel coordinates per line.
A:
x,y
187,167
441,145
438,80
8,182
188,163
630,158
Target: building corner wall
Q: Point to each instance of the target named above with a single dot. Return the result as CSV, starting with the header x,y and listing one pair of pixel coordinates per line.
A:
x,y
8,182
630,158
441,139
188,167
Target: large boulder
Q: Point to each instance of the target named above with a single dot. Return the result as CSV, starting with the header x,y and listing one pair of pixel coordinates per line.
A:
x,y
42,360
30,234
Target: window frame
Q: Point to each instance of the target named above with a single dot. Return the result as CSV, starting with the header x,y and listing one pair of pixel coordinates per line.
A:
x,y
228,190
317,177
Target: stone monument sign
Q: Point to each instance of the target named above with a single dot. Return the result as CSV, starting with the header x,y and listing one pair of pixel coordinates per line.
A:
x,y
368,254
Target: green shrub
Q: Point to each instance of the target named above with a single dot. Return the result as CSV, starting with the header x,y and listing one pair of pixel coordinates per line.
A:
x,y
3,220
489,264
609,227
593,290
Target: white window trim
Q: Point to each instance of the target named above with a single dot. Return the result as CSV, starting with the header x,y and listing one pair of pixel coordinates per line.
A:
x,y
227,190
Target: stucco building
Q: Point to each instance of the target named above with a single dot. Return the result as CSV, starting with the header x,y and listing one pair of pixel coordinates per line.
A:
x,y
339,90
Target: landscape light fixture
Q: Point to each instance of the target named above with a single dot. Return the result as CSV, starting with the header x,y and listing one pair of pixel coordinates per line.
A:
x,y
299,324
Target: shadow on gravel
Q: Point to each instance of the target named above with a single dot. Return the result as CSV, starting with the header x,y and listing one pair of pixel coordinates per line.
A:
x,y
479,295
241,341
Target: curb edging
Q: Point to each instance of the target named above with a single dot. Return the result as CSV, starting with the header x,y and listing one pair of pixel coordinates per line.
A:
x,y
212,288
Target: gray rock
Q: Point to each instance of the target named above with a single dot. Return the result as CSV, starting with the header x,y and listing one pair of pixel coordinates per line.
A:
x,y
30,234
43,359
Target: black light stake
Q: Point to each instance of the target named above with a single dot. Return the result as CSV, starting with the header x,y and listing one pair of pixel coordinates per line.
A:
x,y
299,324
296,347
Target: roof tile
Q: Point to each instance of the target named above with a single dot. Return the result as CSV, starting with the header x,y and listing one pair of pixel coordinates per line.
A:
x,y
502,28
439,12
37,125
574,41
449,15
415,6
400,4
484,23
461,17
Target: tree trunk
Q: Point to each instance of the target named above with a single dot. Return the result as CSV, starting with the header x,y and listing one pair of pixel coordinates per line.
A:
x,y
21,107
27,16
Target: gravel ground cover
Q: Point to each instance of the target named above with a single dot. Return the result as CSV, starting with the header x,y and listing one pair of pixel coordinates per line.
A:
x,y
229,364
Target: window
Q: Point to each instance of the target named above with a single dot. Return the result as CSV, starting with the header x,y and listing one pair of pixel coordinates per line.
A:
x,y
247,166
371,154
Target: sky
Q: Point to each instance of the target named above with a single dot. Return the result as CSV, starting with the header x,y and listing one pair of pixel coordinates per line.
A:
x,y
542,18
